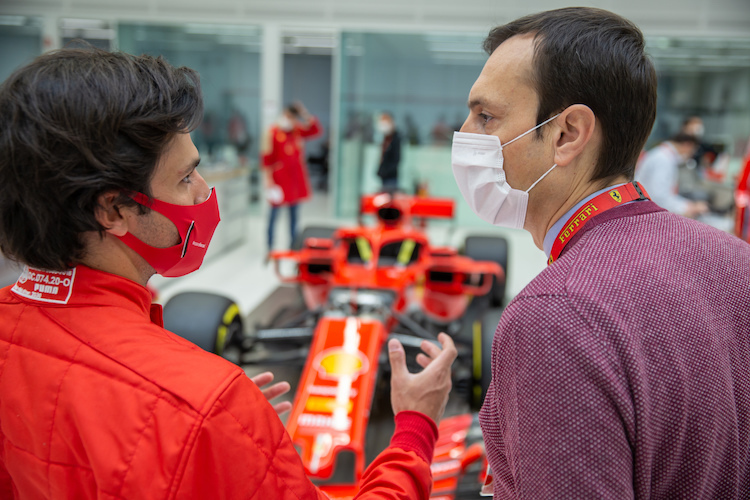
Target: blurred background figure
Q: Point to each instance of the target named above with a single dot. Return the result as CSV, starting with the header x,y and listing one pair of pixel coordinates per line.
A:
x,y
319,166
659,174
239,136
283,158
705,154
412,131
390,156
441,132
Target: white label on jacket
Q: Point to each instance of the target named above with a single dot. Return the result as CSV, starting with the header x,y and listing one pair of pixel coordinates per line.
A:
x,y
54,287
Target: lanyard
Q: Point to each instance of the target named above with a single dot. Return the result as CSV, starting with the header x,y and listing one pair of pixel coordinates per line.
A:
x,y
600,204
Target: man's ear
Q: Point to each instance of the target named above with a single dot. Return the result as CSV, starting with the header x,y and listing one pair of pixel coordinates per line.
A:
x,y
108,213
577,124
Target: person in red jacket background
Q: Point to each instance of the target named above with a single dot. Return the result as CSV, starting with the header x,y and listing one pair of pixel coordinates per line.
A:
x,y
99,190
287,179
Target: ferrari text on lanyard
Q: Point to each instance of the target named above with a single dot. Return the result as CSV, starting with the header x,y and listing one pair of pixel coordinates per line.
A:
x,y
600,204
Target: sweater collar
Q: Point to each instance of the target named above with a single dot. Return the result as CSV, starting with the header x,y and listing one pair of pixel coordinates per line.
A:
x,y
549,238
632,209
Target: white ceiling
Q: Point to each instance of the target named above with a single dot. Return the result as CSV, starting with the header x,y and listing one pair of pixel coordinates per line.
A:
x,y
723,18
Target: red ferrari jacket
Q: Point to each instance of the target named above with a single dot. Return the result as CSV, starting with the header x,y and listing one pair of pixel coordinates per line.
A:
x,y
97,400
285,157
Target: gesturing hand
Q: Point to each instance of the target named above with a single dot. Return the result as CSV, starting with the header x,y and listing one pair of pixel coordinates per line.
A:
x,y
426,391
274,391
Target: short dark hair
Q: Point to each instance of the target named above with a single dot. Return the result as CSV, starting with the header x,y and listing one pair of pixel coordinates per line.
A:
x,y
76,123
293,109
593,57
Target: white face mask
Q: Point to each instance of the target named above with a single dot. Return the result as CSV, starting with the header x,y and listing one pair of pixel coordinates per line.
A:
x,y
477,161
285,123
385,127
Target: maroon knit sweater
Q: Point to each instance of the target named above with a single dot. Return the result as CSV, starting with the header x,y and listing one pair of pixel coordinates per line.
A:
x,y
623,369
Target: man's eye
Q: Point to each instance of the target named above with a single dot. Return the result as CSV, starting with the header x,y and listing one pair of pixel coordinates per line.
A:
x,y
187,179
485,118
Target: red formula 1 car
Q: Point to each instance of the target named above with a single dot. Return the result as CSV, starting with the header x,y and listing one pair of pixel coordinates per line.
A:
x,y
347,291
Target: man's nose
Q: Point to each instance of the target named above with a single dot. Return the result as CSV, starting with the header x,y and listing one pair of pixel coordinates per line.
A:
x,y
202,190
468,126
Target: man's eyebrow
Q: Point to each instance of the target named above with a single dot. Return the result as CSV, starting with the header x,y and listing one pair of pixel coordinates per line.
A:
x,y
192,166
472,103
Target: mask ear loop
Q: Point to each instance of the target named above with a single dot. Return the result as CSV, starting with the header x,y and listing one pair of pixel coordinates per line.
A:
x,y
542,177
531,130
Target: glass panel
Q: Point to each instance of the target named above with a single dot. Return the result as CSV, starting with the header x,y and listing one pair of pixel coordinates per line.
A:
x,y
709,78
86,32
228,60
20,42
424,81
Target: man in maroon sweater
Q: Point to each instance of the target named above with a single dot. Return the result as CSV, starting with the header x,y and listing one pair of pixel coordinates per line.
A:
x,y
623,369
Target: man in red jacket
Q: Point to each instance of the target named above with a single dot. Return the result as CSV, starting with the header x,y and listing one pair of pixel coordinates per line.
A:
x,y
99,191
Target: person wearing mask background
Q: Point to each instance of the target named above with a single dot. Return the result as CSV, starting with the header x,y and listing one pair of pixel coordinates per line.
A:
x,y
705,153
390,152
99,190
623,369
283,158
659,174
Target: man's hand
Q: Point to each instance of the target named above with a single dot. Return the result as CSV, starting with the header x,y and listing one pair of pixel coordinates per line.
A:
x,y
274,391
426,391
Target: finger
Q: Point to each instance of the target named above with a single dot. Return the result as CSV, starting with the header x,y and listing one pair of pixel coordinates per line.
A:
x,y
448,354
397,357
282,407
449,347
423,360
276,390
430,349
262,379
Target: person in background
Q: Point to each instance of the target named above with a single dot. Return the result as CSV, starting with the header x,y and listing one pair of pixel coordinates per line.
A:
x,y
693,125
99,190
283,158
390,152
659,174
621,371
239,135
704,154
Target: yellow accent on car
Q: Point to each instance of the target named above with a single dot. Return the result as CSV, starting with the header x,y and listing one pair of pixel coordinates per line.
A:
x,y
477,354
365,252
221,334
406,251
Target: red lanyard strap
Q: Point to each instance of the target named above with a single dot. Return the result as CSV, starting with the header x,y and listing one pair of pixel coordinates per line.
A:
x,y
609,199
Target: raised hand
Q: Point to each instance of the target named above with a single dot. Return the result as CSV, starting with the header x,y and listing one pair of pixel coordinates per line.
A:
x,y
426,391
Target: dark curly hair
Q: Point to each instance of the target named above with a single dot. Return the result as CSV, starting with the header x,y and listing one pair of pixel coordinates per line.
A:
x,y
75,123
593,57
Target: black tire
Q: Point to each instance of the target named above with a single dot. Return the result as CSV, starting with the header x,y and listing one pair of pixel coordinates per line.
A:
x,y
483,334
210,321
495,249
312,232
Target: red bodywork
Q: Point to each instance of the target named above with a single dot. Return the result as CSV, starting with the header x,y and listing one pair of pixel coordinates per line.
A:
x,y
332,404
742,202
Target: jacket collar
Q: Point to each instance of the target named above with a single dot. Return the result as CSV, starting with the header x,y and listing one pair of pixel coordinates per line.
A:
x,y
84,286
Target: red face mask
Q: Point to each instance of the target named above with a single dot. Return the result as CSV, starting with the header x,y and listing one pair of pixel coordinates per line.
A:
x,y
195,224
